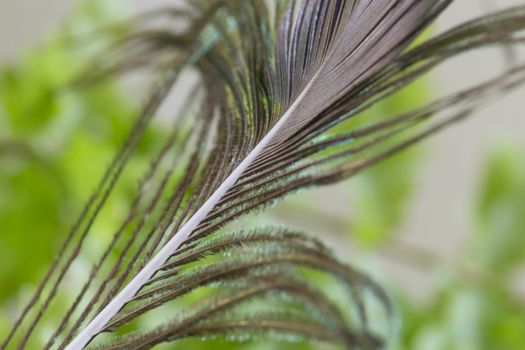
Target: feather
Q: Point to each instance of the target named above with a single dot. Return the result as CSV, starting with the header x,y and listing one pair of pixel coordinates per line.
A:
x,y
279,81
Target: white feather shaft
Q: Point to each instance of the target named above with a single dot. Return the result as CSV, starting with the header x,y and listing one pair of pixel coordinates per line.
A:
x,y
125,295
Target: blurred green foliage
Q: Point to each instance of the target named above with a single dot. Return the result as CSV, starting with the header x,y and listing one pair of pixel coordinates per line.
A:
x,y
380,196
501,212
56,142
478,305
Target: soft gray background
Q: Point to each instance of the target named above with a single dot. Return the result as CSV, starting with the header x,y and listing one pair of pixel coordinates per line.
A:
x,y
440,216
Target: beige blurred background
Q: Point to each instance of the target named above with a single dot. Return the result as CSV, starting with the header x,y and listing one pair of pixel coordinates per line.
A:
x,y
440,215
